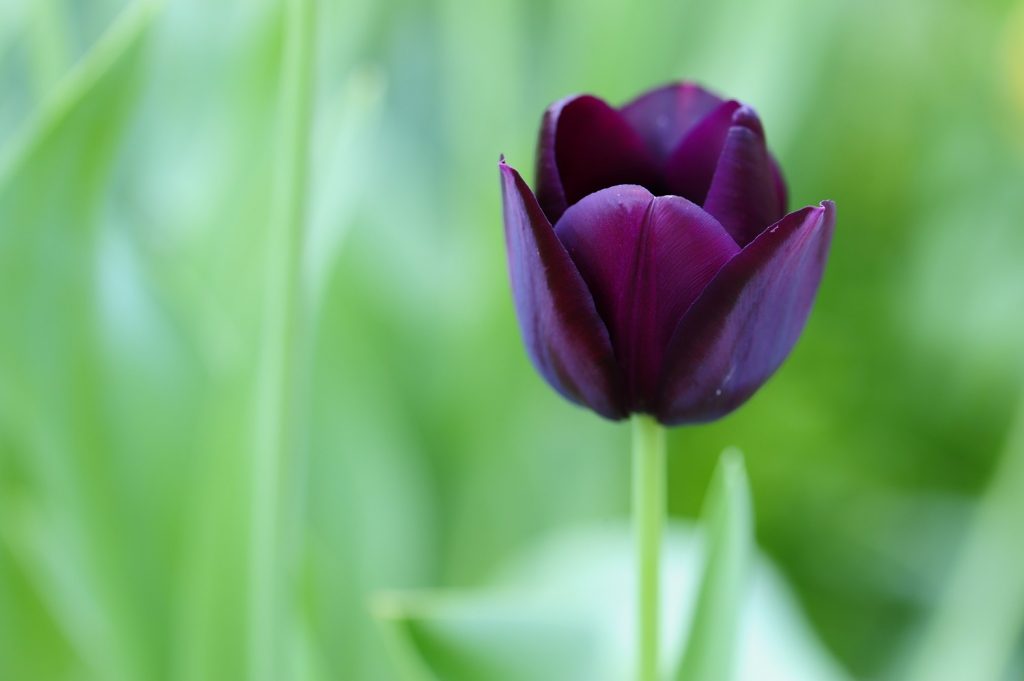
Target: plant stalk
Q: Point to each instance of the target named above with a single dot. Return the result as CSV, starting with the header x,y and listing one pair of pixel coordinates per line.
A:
x,y
648,520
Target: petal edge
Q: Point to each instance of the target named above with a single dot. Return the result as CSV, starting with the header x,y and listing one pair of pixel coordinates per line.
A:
x,y
586,145
745,323
645,259
665,115
565,338
745,191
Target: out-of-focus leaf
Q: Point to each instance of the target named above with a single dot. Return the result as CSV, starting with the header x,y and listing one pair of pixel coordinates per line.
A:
x,y
975,630
53,183
348,126
49,45
500,637
564,611
728,524
275,524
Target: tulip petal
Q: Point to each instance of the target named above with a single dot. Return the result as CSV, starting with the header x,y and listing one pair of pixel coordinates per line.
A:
x,y
645,260
780,184
586,145
744,193
744,324
691,166
564,336
662,117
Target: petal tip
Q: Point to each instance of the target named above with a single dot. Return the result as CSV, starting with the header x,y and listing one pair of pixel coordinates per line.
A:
x,y
745,116
828,216
505,169
825,214
556,107
686,86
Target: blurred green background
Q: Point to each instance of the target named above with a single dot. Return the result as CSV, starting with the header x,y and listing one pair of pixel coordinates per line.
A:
x,y
161,402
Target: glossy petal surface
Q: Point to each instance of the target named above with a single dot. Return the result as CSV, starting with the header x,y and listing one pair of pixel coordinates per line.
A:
x,y
662,117
747,319
691,166
586,145
744,192
564,336
644,259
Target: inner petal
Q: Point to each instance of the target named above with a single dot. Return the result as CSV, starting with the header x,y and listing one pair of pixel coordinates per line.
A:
x,y
664,116
645,259
596,148
744,193
691,166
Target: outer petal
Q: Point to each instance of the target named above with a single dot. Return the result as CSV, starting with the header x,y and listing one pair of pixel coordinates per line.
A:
x,y
691,166
586,145
663,116
744,324
564,336
744,193
645,260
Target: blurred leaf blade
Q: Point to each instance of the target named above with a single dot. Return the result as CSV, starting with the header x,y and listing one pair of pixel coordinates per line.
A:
x,y
53,184
276,529
728,525
975,629
573,592
74,96
495,637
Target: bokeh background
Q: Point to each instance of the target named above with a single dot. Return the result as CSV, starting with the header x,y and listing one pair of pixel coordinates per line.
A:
x,y
141,174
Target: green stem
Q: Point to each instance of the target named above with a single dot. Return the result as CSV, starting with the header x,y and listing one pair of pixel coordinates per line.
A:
x,y
648,518
275,452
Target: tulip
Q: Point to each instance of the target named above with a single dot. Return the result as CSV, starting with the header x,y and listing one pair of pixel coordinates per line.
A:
x,y
656,270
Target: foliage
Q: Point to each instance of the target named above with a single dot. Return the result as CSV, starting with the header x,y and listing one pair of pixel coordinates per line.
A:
x,y
138,175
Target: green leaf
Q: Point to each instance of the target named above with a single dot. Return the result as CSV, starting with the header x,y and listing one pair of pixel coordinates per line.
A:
x,y
501,637
974,632
68,541
563,611
275,441
727,521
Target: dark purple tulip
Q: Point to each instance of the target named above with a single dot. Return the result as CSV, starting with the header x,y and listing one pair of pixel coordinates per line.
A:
x,y
656,269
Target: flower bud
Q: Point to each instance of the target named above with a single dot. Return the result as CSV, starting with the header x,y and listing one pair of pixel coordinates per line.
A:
x,y
656,269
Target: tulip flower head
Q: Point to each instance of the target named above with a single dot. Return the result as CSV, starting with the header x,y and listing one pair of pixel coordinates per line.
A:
x,y
655,269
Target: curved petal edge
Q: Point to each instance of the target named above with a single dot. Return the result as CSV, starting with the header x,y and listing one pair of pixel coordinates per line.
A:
x,y
744,192
662,117
645,259
550,193
747,320
586,145
565,337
